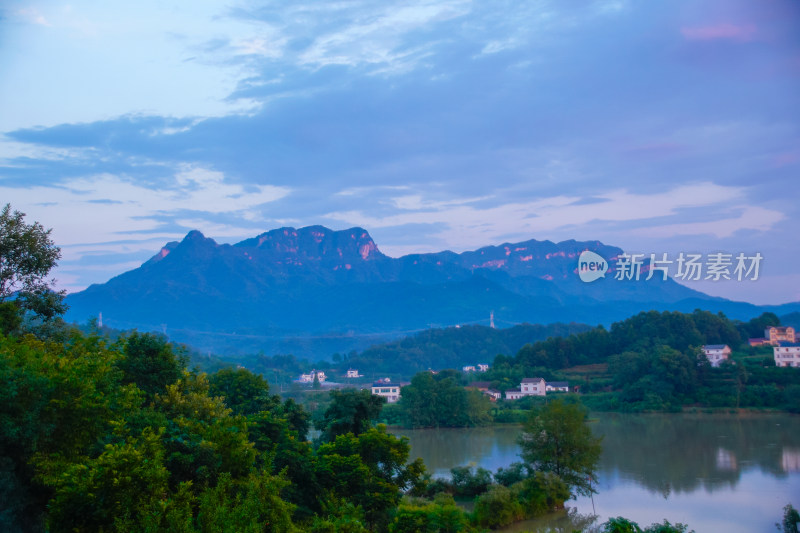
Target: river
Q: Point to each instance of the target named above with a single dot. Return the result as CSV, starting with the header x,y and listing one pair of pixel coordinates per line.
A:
x,y
731,473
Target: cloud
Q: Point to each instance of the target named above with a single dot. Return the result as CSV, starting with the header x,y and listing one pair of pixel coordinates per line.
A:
x,y
722,31
465,225
105,206
749,218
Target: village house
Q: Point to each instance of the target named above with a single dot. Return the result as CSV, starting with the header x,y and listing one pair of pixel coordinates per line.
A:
x,y
528,387
557,386
773,335
386,389
716,353
777,334
787,354
482,367
469,368
483,386
353,374
309,378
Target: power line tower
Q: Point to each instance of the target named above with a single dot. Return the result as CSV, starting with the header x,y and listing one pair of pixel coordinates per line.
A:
x,y
491,320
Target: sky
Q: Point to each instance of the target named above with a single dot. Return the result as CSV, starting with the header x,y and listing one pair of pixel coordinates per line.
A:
x,y
659,126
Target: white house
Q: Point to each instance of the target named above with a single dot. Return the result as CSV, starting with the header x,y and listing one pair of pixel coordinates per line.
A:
x,y
482,367
716,353
469,368
309,378
557,386
387,389
787,354
494,393
528,387
353,374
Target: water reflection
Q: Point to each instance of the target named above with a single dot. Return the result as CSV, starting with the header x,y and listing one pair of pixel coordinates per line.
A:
x,y
714,472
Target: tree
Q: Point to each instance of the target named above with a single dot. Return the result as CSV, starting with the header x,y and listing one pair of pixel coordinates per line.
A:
x,y
27,255
350,411
151,362
557,439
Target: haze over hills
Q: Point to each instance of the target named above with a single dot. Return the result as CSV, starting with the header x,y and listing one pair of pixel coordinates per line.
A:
x,y
312,291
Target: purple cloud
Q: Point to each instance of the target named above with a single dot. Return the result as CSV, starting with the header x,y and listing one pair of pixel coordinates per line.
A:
x,y
723,31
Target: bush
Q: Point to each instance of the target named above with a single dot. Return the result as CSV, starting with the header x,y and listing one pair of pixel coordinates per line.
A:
x,y
497,507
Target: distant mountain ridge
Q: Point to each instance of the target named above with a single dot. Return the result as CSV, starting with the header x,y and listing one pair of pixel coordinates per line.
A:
x,y
312,291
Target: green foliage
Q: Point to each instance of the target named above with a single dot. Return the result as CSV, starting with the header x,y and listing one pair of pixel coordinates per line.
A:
x,y
453,347
369,470
439,400
468,483
623,525
27,255
497,507
150,362
350,411
439,516
243,392
557,439
791,520
513,473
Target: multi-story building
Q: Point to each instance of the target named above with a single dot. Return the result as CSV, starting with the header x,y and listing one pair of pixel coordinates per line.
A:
x,y
387,389
716,353
787,354
777,334
353,374
528,387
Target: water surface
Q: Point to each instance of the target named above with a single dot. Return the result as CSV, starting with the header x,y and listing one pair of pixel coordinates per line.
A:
x,y
731,473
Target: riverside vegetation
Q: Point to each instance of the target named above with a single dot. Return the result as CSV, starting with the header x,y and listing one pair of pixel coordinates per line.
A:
x,y
121,435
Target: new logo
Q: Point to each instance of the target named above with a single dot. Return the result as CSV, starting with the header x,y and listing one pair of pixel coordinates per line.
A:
x,y
591,266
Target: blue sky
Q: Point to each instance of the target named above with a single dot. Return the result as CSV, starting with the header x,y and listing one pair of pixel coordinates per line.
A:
x,y
661,126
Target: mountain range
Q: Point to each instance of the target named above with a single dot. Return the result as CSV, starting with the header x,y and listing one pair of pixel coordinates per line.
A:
x,y
313,291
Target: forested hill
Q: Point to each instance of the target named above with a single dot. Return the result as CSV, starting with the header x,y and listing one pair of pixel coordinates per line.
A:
x,y
455,347
653,361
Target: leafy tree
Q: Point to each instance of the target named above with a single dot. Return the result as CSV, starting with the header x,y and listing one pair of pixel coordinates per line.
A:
x,y
557,439
151,362
27,255
623,525
467,483
370,470
350,411
497,507
791,520
244,392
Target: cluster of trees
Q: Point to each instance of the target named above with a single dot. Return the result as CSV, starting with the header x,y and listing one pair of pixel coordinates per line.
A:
x,y
123,437
440,400
653,361
452,347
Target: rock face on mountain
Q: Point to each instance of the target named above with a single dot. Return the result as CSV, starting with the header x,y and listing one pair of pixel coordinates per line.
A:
x,y
298,289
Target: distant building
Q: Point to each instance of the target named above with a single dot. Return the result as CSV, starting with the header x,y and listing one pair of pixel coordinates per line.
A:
x,y
309,378
557,386
776,334
353,374
494,394
483,386
758,341
716,353
482,367
787,354
387,389
468,368
528,387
